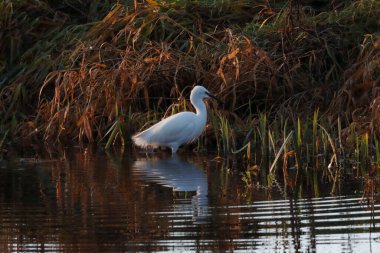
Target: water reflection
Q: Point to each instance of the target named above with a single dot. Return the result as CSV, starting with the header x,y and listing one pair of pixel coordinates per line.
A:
x,y
181,176
96,202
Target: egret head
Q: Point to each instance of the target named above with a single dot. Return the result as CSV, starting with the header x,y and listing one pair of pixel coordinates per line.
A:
x,y
200,92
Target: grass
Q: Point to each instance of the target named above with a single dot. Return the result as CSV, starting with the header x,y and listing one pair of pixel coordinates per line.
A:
x,y
102,71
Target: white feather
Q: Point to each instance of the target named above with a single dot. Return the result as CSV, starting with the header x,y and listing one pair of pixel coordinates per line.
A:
x,y
179,128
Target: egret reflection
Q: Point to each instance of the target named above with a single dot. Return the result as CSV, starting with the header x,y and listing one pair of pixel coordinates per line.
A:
x,y
181,176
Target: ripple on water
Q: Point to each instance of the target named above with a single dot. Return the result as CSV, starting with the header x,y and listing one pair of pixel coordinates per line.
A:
x,y
167,204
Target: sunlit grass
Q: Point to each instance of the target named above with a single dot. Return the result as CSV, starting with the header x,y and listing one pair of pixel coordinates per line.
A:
x,y
114,69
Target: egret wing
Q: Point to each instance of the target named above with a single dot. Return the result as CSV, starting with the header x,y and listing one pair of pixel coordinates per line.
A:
x,y
177,128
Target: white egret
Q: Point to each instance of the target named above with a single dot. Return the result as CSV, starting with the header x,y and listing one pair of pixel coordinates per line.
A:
x,y
179,128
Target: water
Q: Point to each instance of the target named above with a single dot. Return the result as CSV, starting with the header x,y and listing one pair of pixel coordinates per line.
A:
x,y
109,202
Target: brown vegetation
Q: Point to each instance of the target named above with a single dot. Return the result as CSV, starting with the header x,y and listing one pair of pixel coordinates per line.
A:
x,y
284,58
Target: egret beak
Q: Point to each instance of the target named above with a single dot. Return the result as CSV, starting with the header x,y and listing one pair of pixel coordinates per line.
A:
x,y
217,99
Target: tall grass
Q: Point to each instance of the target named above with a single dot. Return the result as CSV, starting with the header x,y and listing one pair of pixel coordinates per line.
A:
x,y
66,70
330,159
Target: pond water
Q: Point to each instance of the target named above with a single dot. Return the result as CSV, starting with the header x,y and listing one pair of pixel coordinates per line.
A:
x,y
92,201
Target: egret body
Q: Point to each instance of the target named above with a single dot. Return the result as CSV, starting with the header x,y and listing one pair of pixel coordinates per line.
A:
x,y
179,128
